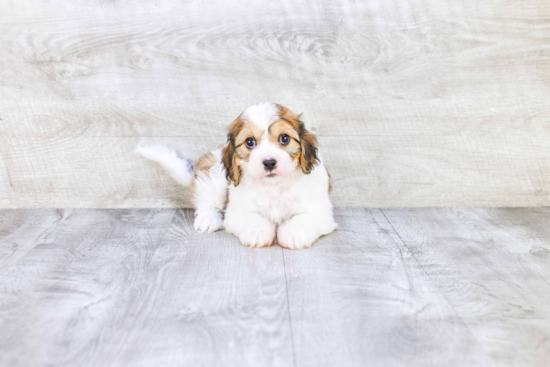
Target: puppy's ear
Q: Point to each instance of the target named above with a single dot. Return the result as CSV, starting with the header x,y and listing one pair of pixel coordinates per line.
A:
x,y
308,141
230,159
308,154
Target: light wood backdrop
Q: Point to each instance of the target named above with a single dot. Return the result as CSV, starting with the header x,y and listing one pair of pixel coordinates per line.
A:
x,y
416,103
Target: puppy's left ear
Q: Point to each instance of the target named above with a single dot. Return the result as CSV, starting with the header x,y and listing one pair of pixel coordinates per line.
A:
x,y
308,154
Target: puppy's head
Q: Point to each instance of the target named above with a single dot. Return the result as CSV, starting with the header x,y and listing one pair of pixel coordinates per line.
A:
x,y
268,141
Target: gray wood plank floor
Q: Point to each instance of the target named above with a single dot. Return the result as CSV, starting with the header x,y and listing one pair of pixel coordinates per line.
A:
x,y
392,287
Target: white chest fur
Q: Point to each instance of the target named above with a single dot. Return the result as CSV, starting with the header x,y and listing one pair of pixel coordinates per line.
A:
x,y
276,202
279,198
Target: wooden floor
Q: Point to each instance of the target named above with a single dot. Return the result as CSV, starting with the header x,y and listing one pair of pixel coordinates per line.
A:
x,y
392,287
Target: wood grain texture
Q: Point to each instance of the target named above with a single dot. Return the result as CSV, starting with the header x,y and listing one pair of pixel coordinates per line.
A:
x,y
213,302
360,296
69,172
20,231
391,287
66,298
136,288
492,266
443,103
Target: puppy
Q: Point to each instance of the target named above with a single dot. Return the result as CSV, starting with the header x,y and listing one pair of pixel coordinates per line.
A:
x,y
268,180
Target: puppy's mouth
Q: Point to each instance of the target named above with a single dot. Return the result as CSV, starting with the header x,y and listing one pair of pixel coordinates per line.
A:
x,y
271,175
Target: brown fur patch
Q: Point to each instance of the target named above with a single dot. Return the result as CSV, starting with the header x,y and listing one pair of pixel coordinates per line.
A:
x,y
229,158
281,127
308,142
205,162
329,179
248,130
235,150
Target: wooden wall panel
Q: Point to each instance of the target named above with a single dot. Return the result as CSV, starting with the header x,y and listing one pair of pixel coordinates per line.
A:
x,y
422,103
6,194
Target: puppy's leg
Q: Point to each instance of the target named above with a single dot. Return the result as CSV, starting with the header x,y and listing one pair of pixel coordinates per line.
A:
x,y
209,192
300,231
206,181
252,229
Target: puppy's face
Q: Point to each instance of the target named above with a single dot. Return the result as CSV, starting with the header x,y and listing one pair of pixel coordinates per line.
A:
x,y
268,141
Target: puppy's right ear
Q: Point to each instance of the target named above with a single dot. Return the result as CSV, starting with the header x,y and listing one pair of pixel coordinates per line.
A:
x,y
230,158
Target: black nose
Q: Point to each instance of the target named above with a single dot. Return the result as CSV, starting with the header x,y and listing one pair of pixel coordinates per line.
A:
x,y
270,164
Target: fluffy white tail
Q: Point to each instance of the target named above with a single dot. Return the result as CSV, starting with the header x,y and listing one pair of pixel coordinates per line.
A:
x,y
180,169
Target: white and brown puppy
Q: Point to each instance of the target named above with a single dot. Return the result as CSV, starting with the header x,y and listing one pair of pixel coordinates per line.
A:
x,y
268,180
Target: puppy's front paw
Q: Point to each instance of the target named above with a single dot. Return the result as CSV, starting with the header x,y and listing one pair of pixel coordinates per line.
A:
x,y
258,236
208,221
294,237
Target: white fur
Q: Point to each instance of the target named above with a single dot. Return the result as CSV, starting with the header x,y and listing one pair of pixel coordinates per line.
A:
x,y
262,114
292,206
298,205
209,197
180,169
209,190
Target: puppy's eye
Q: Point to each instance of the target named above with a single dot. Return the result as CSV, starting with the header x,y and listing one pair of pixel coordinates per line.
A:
x,y
250,143
284,139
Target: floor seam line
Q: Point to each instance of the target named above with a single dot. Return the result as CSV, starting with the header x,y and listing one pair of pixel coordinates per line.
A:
x,y
431,280
289,313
